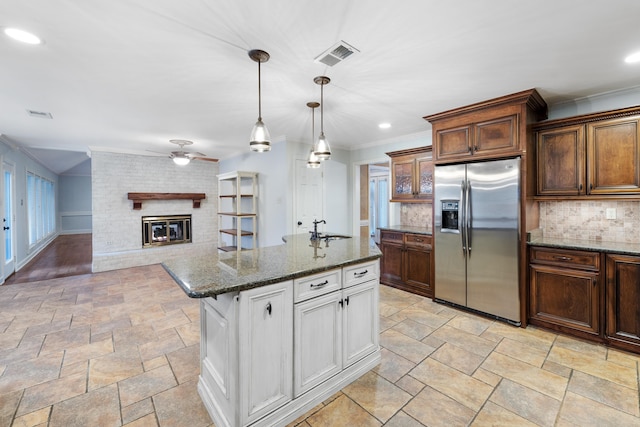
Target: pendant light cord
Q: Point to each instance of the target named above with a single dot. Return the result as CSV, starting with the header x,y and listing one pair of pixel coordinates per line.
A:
x,y
259,94
321,108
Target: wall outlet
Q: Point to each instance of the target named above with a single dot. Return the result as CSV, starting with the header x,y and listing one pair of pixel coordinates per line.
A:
x,y
610,213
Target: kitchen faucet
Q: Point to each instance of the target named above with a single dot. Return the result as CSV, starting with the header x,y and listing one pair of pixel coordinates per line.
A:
x,y
314,233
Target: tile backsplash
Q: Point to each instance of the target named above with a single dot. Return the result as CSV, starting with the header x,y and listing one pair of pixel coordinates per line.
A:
x,y
584,219
416,215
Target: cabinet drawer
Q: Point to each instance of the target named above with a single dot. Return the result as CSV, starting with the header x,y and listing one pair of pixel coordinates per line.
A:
x,y
316,285
359,273
566,258
391,236
419,240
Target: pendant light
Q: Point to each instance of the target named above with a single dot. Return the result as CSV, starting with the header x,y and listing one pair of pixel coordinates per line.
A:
x,y
321,148
260,138
313,161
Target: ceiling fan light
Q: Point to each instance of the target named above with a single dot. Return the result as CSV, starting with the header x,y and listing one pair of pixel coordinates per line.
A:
x,y
321,149
181,160
260,139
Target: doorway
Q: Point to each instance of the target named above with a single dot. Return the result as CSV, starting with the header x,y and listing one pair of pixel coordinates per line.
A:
x,y
8,220
378,199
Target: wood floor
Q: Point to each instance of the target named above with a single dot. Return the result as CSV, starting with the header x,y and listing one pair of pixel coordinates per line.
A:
x,y
67,255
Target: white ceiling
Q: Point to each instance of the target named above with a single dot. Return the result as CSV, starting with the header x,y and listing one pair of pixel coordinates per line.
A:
x,y
128,76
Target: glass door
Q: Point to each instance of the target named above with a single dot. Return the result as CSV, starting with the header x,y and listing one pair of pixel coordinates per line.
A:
x,y
8,220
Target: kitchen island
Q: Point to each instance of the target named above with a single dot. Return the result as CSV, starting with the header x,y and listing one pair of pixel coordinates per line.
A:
x,y
282,327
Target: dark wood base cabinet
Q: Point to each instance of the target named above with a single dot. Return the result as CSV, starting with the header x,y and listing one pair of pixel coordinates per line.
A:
x,y
623,301
565,291
406,261
568,293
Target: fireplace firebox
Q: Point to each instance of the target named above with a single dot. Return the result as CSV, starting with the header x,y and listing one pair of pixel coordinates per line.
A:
x,y
165,230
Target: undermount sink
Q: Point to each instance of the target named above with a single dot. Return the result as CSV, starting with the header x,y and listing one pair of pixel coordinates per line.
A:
x,y
335,237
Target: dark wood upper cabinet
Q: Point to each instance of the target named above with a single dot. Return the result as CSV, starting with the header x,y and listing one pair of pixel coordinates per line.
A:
x,y
589,155
491,129
561,161
613,151
411,175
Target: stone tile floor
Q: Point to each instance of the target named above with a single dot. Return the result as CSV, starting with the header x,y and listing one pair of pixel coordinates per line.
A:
x,y
122,348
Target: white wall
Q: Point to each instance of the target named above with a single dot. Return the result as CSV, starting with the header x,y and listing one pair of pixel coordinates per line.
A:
x,y
23,163
629,97
74,204
273,189
117,228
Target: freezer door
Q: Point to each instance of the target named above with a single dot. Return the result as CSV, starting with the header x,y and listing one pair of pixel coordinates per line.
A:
x,y
492,261
450,270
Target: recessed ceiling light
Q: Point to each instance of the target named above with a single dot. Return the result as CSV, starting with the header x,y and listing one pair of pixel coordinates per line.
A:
x,y
22,36
384,125
634,57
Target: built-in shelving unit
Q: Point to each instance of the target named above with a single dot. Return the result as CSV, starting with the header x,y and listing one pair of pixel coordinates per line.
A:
x,y
237,210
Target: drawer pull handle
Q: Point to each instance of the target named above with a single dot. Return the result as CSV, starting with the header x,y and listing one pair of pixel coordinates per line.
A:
x,y
319,285
360,274
419,240
562,258
268,307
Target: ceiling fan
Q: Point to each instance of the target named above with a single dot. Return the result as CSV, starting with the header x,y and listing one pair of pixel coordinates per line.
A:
x,y
182,157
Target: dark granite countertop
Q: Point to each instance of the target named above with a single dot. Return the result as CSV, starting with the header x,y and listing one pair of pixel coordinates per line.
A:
x,y
214,273
408,229
590,245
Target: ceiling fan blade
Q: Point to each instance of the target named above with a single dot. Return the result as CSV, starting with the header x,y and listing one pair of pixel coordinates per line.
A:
x,y
207,159
157,152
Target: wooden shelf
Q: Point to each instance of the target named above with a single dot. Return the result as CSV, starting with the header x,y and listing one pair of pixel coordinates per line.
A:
x,y
236,214
138,198
234,232
235,196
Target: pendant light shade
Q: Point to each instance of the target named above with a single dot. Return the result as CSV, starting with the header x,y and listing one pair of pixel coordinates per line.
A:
x,y
313,161
321,148
260,139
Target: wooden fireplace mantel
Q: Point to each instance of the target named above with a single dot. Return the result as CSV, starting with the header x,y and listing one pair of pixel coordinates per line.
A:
x,y
139,197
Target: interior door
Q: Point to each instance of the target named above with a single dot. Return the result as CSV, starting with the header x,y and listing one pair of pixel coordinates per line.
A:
x,y
308,198
8,220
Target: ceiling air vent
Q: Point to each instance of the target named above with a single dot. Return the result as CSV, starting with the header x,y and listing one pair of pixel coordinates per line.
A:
x,y
336,53
40,114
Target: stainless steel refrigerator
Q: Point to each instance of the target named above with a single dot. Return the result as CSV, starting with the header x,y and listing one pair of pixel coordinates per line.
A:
x,y
476,231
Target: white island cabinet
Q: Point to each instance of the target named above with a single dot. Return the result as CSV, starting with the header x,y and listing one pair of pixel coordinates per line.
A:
x,y
270,354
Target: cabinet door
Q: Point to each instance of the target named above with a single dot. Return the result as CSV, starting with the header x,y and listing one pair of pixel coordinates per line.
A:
x,y
560,157
391,263
623,296
318,341
417,270
402,182
614,156
360,322
565,298
497,136
453,143
424,177
266,347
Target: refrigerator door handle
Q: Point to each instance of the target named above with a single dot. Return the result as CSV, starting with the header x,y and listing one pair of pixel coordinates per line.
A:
x,y
462,221
469,217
